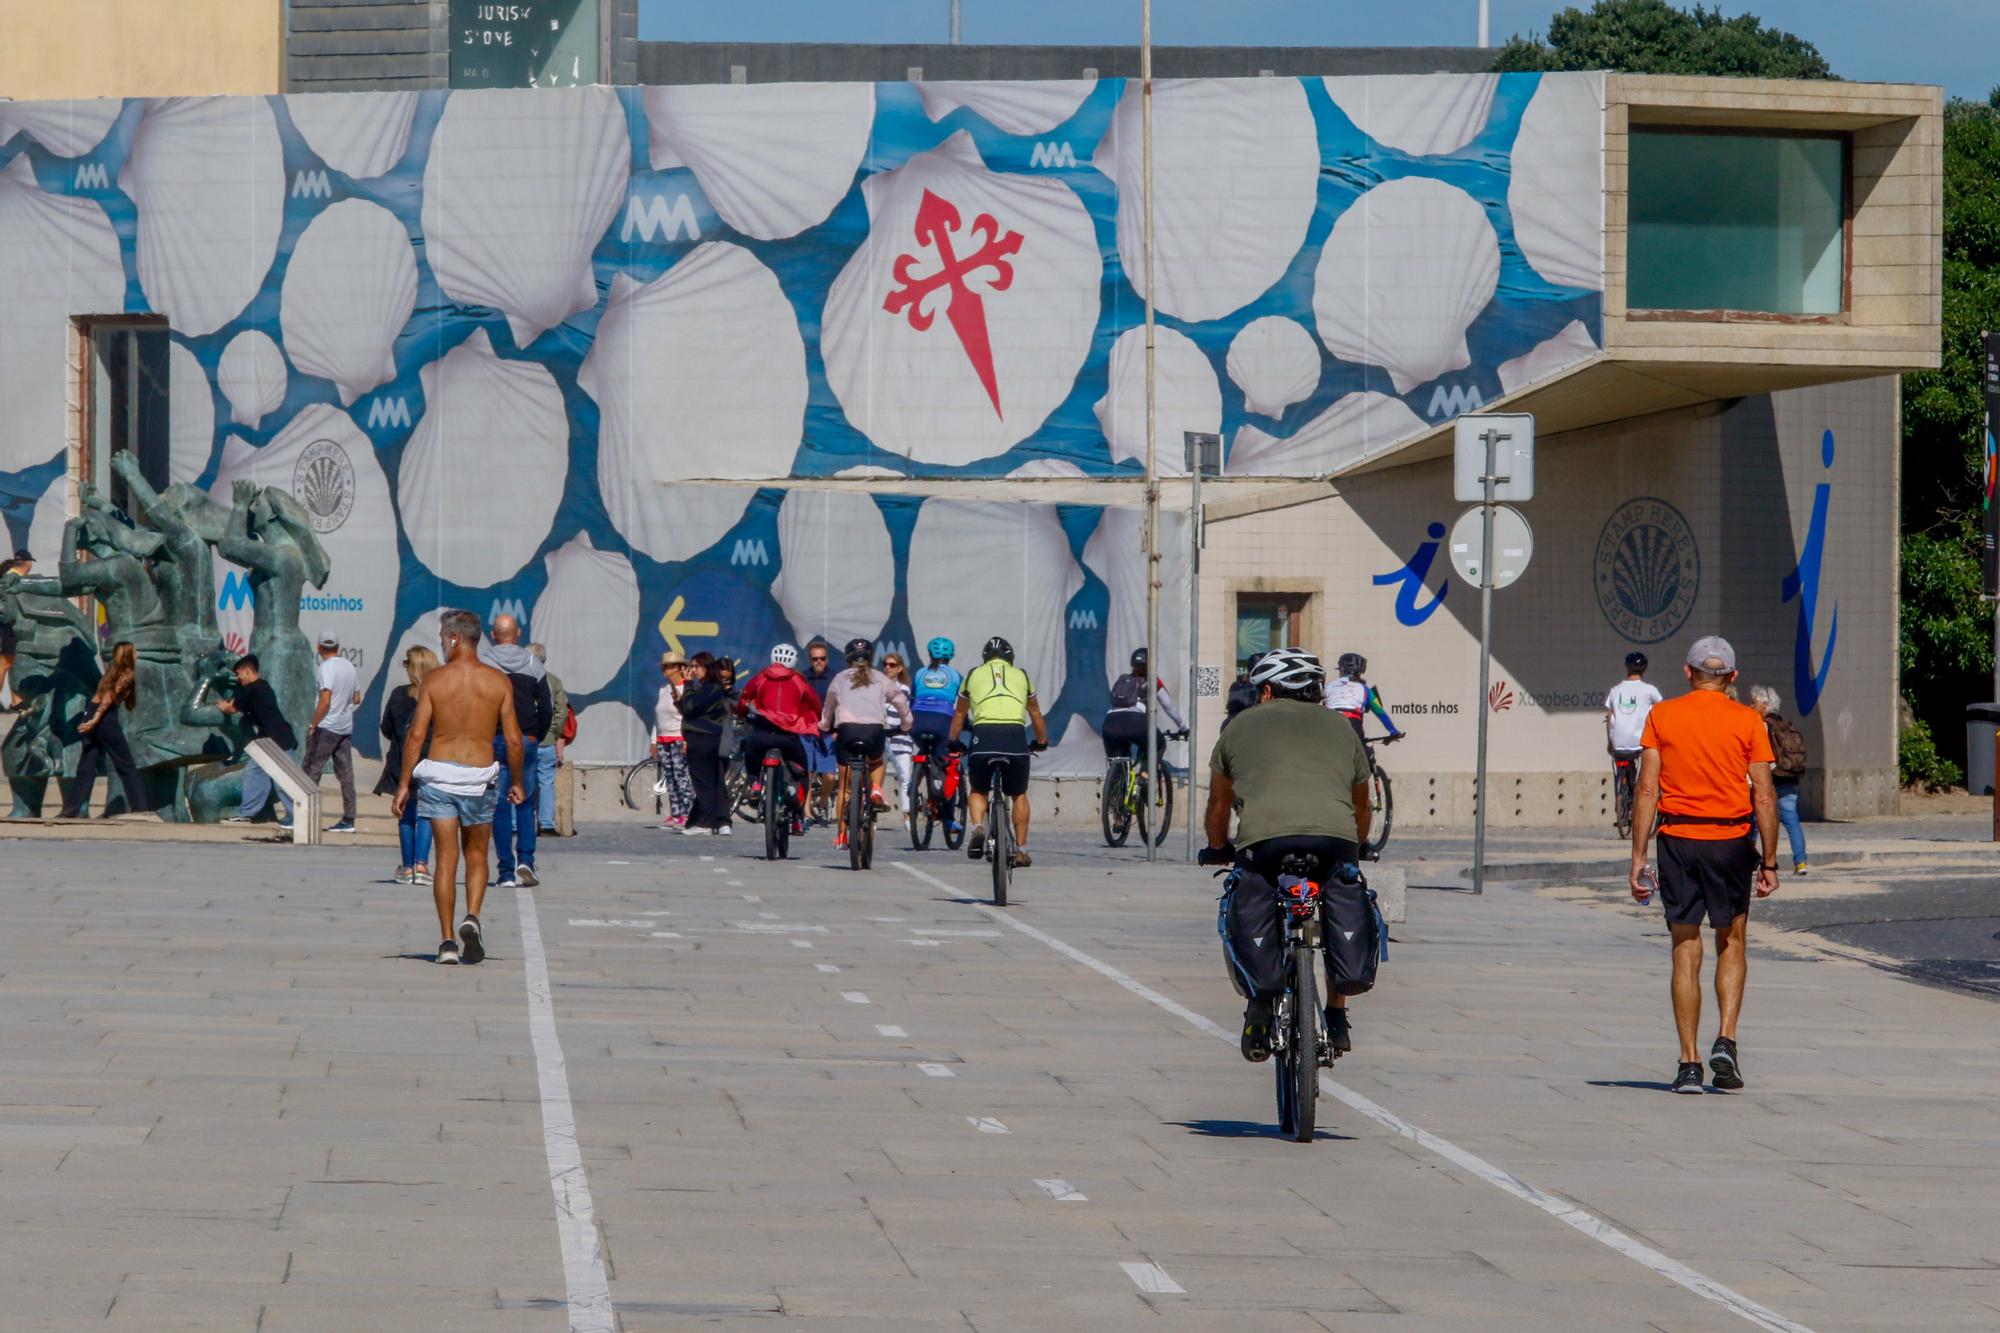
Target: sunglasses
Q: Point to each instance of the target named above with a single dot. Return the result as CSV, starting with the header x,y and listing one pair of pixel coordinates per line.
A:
x,y
819,657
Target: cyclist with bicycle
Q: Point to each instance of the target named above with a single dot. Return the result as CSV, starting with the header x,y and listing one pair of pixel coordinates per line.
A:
x,y
1625,711
783,710
998,701
1125,720
1297,782
933,697
860,708
1354,698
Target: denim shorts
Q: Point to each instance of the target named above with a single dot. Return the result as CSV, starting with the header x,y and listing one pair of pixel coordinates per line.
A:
x,y
435,803
819,754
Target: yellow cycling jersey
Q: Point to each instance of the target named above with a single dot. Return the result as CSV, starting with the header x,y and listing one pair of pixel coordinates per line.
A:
x,y
998,693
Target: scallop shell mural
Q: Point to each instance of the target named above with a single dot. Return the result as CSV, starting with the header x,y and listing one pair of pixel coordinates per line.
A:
x,y
252,376
361,135
773,159
348,292
1275,362
1556,190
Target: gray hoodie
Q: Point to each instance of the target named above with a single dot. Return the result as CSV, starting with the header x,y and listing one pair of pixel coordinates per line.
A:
x,y
512,658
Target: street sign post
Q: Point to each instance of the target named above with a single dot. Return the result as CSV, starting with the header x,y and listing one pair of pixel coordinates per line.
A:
x,y
1513,545
1493,459
1203,457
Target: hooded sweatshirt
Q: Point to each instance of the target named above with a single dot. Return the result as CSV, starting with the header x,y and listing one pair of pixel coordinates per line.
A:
x,y
783,698
533,707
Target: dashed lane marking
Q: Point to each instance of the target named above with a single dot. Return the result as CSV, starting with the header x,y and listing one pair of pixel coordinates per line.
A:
x,y
801,944
986,1124
890,1030
854,997
1061,1191
1153,1279
826,967
937,1071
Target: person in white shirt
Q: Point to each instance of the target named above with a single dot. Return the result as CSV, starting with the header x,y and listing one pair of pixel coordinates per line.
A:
x,y
1626,707
331,735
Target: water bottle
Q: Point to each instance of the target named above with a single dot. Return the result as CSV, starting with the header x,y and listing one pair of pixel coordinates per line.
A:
x,y
1648,882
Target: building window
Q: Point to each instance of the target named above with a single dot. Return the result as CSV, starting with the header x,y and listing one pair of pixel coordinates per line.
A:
x,y
1268,620
126,404
1745,222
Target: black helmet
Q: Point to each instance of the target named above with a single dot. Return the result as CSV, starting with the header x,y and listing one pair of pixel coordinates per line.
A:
x,y
1138,661
1635,662
858,650
1352,664
996,647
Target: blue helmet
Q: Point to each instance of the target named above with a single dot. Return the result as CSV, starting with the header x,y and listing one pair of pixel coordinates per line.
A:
x,y
940,649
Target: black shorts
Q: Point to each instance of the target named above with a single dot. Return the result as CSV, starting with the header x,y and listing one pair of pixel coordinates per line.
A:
x,y
865,738
1001,746
1706,878
1267,858
784,742
1125,736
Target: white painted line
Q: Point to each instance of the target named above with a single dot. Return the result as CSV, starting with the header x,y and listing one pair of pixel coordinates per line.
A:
x,y
666,934
768,916
1568,1213
778,928
735,883
888,920
752,898
708,858
576,1221
955,934
927,944
656,914
987,1124
618,863
1061,1191
937,1071
824,967
890,1030
854,997
614,922
719,870
1153,1278
800,944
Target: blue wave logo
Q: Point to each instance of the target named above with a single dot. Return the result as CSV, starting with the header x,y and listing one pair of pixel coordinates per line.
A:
x,y
1808,682
1409,581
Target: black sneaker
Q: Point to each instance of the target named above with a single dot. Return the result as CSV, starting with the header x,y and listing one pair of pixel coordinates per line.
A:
x,y
1256,1043
1337,1030
1722,1064
1689,1079
472,940
448,953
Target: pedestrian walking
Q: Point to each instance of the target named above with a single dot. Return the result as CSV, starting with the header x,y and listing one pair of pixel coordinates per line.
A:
x,y
413,834
670,743
515,824
1788,769
331,735
704,706
256,703
902,745
1706,771
461,707
549,750
104,738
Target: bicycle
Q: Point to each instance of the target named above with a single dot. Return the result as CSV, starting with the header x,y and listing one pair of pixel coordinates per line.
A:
x,y
646,778
777,807
929,808
1625,783
999,834
1300,1043
860,810
1129,798
1381,798
744,804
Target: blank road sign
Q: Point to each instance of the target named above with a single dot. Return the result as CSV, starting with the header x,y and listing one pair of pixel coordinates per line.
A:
x,y
1513,456
1513,545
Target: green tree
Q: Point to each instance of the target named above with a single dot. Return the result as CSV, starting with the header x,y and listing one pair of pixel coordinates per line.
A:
x,y
1654,37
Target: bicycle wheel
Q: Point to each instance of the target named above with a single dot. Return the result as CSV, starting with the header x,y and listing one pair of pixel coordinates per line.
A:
x,y
857,806
1305,1045
1382,796
1284,1066
1622,786
923,807
748,808
639,782
955,811
1163,808
1112,808
999,840
777,829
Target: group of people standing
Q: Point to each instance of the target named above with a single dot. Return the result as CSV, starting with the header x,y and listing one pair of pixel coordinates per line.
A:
x,y
691,720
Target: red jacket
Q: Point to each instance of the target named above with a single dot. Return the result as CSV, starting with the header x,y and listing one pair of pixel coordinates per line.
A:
x,y
783,698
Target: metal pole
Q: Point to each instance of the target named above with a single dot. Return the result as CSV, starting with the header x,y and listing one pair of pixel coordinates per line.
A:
x,y
1194,641
1484,15
1152,444
954,22
1492,440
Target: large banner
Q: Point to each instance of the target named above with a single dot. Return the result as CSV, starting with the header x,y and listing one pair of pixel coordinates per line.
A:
x,y
1990,475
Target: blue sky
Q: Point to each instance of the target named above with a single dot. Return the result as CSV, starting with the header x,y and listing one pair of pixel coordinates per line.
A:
x,y
1952,42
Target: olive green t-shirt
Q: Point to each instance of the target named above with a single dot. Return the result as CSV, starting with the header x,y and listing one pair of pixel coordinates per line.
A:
x,y
1294,767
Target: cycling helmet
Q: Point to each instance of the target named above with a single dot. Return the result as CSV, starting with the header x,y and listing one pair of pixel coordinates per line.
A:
x,y
1287,670
1353,664
1138,661
1635,662
996,647
785,655
858,650
940,649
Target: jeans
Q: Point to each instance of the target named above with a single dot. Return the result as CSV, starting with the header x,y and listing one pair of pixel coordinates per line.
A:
x,y
339,747
514,825
257,789
1788,815
414,835
545,778
105,744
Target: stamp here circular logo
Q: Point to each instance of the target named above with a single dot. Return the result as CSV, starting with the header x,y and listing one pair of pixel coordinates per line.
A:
x,y
1648,570
324,483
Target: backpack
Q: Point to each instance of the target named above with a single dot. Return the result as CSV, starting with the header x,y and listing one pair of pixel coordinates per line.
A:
x,y
568,732
1128,692
1789,747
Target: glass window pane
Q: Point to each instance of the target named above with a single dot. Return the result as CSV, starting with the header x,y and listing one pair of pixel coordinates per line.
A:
x,y
1736,222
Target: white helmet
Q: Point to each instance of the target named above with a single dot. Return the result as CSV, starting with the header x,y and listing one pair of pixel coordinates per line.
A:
x,y
1287,670
785,655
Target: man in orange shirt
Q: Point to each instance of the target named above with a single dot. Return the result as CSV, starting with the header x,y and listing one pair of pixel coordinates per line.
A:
x,y
1706,770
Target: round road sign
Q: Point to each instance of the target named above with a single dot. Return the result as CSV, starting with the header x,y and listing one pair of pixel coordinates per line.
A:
x,y
1513,545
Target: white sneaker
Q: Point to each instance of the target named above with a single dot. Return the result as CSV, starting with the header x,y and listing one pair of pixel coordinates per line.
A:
x,y
508,883
724,831
693,831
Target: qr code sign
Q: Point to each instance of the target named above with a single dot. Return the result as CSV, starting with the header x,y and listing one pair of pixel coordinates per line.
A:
x,y
1208,682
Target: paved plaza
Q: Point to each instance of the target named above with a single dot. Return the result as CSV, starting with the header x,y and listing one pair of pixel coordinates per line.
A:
x,y
690,1088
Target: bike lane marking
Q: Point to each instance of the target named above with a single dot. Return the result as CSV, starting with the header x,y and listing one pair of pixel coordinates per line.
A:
x,y
826,967
1561,1209
890,1030
576,1221
1153,1279
1062,1191
986,1124
854,997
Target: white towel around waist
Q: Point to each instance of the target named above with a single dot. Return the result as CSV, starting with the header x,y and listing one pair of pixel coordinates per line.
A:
x,y
456,779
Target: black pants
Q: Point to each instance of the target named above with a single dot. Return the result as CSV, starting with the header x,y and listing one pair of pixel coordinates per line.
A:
x,y
711,797
1125,736
105,741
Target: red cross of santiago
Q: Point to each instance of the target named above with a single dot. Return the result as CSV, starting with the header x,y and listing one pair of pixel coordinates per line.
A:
x,y
937,220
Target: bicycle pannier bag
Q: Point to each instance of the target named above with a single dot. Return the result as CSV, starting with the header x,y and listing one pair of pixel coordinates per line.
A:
x,y
1251,921
1356,938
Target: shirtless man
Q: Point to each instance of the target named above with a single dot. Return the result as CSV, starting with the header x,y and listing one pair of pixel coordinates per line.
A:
x,y
460,708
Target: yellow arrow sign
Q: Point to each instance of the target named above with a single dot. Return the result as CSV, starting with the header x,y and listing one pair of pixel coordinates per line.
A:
x,y
672,627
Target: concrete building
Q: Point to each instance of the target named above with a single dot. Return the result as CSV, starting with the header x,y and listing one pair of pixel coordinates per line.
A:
x,y
140,48
663,366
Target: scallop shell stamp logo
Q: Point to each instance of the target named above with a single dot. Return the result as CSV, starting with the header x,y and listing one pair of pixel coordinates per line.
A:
x,y
1648,570
324,483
